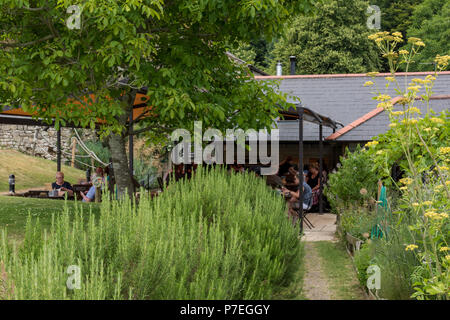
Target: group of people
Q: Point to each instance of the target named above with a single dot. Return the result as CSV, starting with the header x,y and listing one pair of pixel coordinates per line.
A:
x,y
63,187
287,181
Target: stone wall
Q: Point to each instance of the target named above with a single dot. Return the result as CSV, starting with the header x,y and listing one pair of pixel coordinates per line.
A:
x,y
40,141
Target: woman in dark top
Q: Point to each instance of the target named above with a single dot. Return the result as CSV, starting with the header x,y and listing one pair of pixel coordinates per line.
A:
x,y
313,177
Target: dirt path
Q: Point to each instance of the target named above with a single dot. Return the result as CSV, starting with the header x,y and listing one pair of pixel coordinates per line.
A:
x,y
315,283
328,271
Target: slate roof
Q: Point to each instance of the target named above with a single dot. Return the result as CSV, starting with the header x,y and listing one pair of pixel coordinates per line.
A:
x,y
344,98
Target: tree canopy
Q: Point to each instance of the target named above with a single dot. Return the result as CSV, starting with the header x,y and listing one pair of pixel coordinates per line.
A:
x,y
333,40
431,23
173,48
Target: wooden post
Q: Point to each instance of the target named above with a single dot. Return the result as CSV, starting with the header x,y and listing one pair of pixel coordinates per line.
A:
x,y
58,149
74,147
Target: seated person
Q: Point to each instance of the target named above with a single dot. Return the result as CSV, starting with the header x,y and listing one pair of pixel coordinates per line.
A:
x,y
294,198
61,185
89,196
285,165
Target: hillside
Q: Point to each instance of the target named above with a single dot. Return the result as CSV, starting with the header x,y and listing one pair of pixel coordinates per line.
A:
x,y
31,172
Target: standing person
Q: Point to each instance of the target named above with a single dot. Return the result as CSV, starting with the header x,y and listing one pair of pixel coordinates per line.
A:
x,y
61,185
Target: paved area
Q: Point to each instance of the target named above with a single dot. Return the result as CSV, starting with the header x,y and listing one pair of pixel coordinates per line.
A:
x,y
324,227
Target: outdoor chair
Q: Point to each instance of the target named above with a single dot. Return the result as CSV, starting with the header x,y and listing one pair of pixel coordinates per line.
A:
x,y
306,211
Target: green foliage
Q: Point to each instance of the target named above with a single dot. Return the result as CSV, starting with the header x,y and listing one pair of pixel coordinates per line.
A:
x,y
397,15
355,174
334,40
84,162
389,150
363,259
217,236
430,23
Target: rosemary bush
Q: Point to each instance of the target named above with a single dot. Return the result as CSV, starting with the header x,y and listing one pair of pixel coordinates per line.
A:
x,y
217,236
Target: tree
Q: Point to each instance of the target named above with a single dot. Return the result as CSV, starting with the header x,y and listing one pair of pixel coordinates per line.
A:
x,y
334,40
397,15
91,72
431,23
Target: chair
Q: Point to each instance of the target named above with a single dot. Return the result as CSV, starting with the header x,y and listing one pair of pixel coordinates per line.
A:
x,y
306,211
161,183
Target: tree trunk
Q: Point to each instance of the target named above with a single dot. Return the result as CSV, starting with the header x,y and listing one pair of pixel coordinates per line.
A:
x,y
122,176
116,144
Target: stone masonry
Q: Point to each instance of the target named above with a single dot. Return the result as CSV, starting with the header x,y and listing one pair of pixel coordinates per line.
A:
x,y
40,141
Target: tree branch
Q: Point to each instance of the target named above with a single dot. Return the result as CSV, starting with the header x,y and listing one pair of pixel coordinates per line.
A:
x,y
5,44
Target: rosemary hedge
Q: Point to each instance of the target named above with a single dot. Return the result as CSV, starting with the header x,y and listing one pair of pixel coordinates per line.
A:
x,y
217,236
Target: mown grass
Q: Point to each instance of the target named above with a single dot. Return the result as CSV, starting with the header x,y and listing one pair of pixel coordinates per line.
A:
x,y
15,210
31,172
338,267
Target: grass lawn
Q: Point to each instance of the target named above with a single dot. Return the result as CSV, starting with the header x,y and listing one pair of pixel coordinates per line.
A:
x,y
14,212
31,172
338,266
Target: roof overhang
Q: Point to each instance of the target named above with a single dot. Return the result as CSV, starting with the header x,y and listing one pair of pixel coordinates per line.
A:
x,y
310,116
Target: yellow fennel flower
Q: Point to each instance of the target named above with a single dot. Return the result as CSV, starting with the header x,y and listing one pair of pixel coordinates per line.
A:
x,y
411,247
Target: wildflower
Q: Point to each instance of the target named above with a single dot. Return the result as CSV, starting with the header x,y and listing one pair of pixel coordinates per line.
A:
x,y
406,181
414,88
447,257
444,150
437,120
442,61
417,80
404,188
430,77
372,74
443,168
371,143
392,125
438,188
411,247
390,79
427,203
432,215
397,113
404,52
373,36
444,215
415,204
383,97
397,34
427,129
368,84
414,110
378,40
447,182
385,105
442,249
420,44
414,40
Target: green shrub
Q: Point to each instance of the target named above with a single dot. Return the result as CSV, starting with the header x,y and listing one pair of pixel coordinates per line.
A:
x,y
355,173
217,236
363,259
